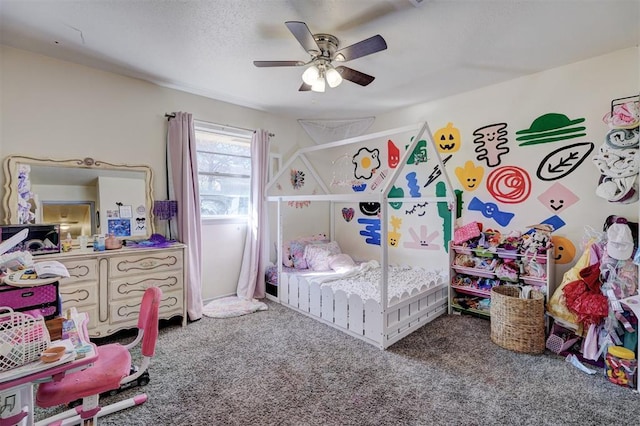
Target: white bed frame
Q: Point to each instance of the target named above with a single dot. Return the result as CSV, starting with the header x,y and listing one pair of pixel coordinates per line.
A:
x,y
379,323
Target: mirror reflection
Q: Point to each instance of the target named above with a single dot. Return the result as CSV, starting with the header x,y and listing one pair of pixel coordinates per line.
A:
x,y
83,196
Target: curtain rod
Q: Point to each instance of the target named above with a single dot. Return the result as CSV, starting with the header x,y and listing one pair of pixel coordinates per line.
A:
x,y
173,115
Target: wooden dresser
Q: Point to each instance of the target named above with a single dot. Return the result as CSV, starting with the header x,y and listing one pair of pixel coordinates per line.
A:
x,y
108,285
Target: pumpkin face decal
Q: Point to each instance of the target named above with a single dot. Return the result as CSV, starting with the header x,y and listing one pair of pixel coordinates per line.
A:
x,y
447,139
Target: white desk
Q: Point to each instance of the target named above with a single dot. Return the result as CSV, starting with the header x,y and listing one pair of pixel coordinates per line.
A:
x,y
16,385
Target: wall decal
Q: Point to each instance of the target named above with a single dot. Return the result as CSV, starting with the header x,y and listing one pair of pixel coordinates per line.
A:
x,y
419,209
396,193
435,174
459,202
445,214
554,221
558,197
297,178
393,154
341,175
563,161
348,213
509,184
564,251
371,230
424,241
491,141
470,176
491,211
419,154
412,184
379,179
551,127
299,204
366,163
370,208
394,235
359,186
447,139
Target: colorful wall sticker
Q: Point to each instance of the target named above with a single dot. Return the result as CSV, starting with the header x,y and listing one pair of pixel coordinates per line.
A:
x,y
394,235
447,139
370,208
348,213
491,211
470,176
366,163
551,127
564,251
419,209
396,193
393,154
412,184
435,174
423,241
297,179
419,154
555,221
359,186
491,141
371,230
445,214
563,161
509,184
379,179
558,197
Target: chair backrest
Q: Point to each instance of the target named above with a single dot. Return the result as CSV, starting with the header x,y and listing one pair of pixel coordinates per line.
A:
x,y
148,319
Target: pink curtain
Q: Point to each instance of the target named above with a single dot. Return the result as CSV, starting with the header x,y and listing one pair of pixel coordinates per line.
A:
x,y
256,251
182,167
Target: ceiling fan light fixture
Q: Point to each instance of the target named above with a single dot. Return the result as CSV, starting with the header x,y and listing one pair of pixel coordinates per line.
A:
x,y
333,77
318,85
310,75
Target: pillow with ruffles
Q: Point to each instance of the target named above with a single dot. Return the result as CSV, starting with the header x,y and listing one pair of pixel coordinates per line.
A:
x,y
287,256
317,255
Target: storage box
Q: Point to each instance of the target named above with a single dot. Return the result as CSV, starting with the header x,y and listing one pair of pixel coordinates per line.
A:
x,y
621,366
42,238
43,298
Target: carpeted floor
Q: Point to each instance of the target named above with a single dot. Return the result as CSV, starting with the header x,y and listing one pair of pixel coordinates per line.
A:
x,y
279,367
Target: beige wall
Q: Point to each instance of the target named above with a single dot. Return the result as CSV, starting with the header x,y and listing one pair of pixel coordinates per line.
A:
x,y
580,90
57,109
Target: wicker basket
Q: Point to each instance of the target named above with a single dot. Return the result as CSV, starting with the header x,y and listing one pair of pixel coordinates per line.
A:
x,y
517,324
22,338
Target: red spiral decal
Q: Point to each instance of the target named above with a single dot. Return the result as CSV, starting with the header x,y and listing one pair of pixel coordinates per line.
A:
x,y
509,184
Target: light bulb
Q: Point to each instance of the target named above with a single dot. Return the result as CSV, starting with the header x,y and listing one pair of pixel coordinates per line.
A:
x,y
333,78
310,75
318,85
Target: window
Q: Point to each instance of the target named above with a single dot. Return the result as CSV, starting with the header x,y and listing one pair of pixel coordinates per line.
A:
x,y
224,170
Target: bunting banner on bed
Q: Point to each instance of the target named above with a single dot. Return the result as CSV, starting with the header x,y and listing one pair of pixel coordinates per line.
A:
x,y
324,131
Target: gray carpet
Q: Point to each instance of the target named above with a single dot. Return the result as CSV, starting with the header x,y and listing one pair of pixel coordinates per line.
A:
x,y
279,367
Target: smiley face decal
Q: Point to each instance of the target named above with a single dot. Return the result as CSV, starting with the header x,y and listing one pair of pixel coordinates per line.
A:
x,y
366,163
447,139
470,176
558,197
563,249
393,154
370,208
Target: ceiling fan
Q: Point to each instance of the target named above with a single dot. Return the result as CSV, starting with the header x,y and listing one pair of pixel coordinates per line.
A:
x,y
323,49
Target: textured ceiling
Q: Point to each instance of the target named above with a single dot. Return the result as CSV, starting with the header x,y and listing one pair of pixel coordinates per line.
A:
x,y
436,49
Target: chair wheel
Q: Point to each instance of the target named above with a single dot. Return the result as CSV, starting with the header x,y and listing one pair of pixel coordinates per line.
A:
x,y
113,392
143,380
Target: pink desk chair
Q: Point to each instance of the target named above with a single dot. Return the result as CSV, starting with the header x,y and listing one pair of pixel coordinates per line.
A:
x,y
111,370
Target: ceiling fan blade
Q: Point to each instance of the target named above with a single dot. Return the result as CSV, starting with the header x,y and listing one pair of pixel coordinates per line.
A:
x,y
355,76
278,63
363,48
304,88
301,32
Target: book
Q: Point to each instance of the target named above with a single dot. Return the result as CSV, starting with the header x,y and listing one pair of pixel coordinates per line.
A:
x,y
50,269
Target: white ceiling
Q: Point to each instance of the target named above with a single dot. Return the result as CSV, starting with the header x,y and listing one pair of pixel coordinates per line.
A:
x,y
436,49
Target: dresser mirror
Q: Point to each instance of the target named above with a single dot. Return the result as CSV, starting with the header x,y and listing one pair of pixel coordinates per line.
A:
x,y
82,196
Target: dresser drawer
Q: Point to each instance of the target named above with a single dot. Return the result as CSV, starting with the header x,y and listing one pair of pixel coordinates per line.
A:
x,y
124,311
151,262
134,286
80,270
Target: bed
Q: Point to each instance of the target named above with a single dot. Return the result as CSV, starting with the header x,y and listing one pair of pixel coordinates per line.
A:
x,y
399,279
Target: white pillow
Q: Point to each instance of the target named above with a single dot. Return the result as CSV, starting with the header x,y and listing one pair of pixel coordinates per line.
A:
x,y
341,262
317,255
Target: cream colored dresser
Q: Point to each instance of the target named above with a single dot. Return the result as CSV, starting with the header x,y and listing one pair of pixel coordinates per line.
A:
x,y
108,285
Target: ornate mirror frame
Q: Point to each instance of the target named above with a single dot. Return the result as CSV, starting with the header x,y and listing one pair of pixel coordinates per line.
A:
x,y
11,181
